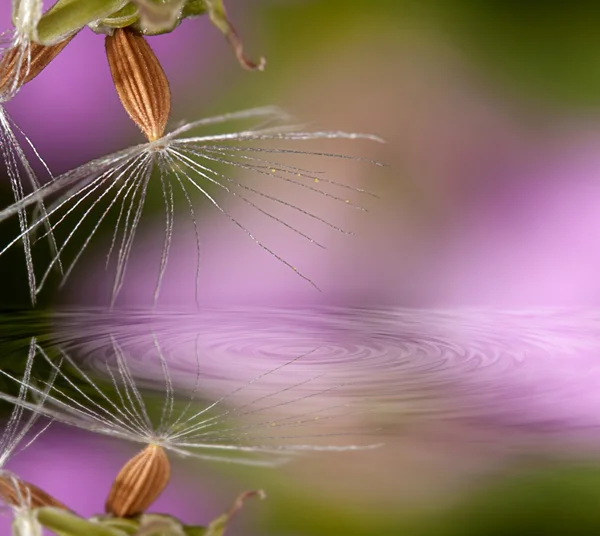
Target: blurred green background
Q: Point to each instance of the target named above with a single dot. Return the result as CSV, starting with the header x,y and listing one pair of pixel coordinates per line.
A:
x,y
457,87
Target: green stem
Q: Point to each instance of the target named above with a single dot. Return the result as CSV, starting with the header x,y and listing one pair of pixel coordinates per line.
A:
x,y
68,16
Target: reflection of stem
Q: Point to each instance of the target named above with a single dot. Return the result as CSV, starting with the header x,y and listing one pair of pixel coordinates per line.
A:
x,y
63,522
239,502
218,526
15,492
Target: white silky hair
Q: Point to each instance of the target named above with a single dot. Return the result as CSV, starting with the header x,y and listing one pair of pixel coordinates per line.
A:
x,y
26,15
24,518
118,184
25,521
214,431
13,440
15,429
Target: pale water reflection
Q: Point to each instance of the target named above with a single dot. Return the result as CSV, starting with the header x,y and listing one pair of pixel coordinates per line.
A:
x,y
450,395
532,372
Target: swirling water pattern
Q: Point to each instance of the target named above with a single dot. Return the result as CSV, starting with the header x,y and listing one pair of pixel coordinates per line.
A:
x,y
533,371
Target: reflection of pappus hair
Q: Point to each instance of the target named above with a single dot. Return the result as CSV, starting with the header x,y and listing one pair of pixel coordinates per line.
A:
x,y
23,498
140,481
219,430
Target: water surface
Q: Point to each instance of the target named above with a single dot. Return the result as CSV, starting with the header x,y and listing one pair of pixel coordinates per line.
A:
x,y
533,372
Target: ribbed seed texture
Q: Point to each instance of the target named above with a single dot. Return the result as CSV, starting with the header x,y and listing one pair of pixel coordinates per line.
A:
x,y
15,492
18,68
139,483
140,81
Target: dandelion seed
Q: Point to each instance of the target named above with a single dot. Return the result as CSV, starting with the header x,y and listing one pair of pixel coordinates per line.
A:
x,y
205,431
118,184
116,187
23,60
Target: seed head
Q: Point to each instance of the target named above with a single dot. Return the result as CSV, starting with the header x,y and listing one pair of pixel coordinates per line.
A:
x,y
15,492
140,81
139,483
18,68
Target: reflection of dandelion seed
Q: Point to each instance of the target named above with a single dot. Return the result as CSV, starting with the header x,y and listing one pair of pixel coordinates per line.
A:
x,y
23,60
209,433
118,184
122,411
138,484
23,497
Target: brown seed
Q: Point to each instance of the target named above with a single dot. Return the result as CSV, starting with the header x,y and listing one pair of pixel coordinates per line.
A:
x,y
13,65
139,483
14,491
140,81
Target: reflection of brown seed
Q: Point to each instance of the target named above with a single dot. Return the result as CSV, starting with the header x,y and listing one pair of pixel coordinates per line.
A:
x,y
139,483
140,81
15,492
16,60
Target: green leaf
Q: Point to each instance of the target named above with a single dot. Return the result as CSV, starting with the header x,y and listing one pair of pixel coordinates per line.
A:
x,y
194,530
194,8
159,525
147,525
158,16
126,16
127,526
68,16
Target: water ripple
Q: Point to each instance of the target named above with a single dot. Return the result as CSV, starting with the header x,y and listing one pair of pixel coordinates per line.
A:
x,y
521,369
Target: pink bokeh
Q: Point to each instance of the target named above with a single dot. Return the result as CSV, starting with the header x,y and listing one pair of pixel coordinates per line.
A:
x,y
480,205
528,239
